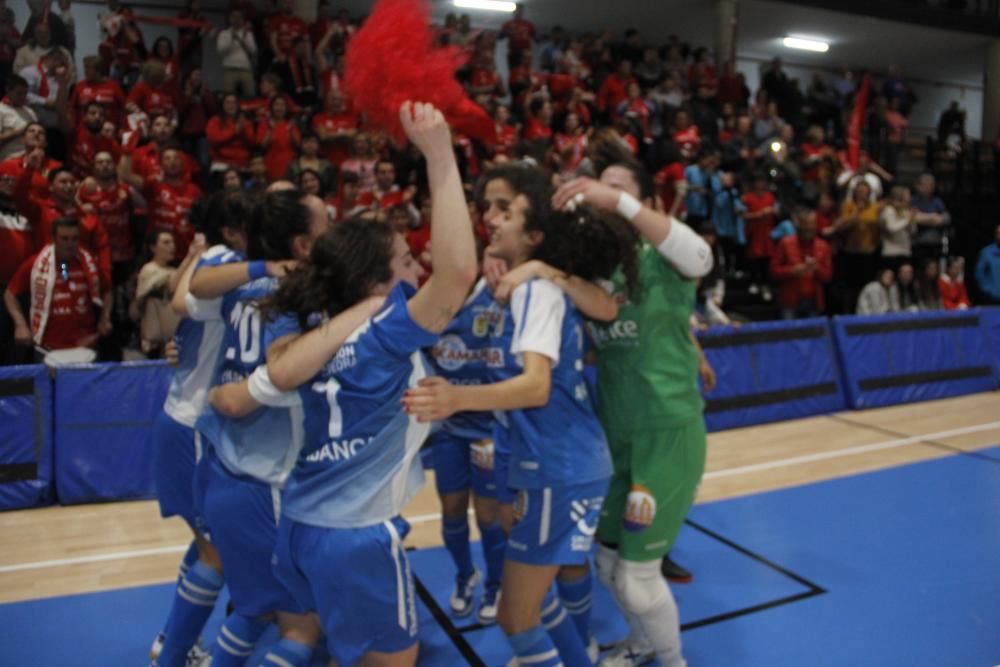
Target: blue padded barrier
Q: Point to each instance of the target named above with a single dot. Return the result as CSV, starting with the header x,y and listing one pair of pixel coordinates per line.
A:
x,y
103,418
903,358
771,371
990,319
25,437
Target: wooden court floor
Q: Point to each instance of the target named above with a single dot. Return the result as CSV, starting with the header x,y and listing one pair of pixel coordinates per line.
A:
x,y
65,550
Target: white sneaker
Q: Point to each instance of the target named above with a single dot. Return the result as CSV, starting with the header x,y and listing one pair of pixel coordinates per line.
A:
x,y
461,599
198,657
593,650
623,656
489,603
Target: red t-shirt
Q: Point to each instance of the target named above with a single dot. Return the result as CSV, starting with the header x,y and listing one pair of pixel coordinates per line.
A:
x,y
281,151
688,139
227,147
146,163
666,182
368,198
106,93
535,130
154,101
38,186
811,173
482,77
612,93
519,32
93,237
113,207
169,205
86,146
71,314
759,241
17,239
506,139
339,150
287,28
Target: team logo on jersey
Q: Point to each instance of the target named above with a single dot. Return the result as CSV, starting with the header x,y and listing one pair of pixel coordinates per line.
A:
x,y
585,514
621,330
482,454
640,509
520,505
481,325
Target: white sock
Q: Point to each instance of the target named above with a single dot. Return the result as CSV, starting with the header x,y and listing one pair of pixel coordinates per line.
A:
x,y
650,609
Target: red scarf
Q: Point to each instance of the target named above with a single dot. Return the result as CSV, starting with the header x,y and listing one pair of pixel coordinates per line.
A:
x,y
43,86
43,280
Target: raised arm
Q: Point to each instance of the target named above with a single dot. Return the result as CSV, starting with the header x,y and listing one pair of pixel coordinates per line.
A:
x,y
687,252
453,251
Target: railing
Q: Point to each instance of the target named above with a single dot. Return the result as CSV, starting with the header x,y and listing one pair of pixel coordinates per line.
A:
x,y
977,16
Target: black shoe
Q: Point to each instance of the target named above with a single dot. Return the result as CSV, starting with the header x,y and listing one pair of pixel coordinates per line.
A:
x,y
674,572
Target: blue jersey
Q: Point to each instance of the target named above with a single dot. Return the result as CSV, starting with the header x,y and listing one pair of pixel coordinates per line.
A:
x,y
562,442
359,464
263,444
465,355
199,344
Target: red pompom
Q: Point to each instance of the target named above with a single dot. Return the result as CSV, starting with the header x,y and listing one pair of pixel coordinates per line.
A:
x,y
392,59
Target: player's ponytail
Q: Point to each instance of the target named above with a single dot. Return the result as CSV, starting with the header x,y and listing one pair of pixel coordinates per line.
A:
x,y
346,263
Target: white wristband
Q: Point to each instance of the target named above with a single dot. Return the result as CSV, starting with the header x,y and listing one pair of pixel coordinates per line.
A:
x,y
628,206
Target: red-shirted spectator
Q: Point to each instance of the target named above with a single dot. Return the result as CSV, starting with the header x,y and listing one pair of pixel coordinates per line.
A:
x,y
519,33
335,126
89,139
153,95
685,134
279,136
506,132
813,152
17,238
104,196
485,83
732,88
97,87
259,107
951,285
169,199
38,185
637,109
283,27
762,207
300,73
800,266
385,194
571,146
42,213
230,137
671,186
196,105
614,89
122,46
66,293
163,53
539,125
340,204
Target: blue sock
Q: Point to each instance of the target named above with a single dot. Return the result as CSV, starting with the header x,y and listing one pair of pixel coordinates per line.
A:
x,y
577,600
236,640
534,647
193,603
562,630
456,540
190,558
287,653
494,544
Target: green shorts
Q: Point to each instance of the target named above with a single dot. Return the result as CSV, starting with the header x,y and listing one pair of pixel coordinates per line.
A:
x,y
655,480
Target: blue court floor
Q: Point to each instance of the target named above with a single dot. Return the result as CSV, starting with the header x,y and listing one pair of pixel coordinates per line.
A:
x,y
896,567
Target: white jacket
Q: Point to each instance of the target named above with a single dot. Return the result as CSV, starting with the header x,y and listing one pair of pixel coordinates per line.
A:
x,y
233,54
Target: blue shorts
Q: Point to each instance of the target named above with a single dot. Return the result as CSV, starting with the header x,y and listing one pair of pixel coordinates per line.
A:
x,y
460,464
242,515
176,450
358,579
556,525
501,464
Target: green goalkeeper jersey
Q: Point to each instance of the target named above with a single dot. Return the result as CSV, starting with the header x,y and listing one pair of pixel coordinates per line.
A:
x,y
647,364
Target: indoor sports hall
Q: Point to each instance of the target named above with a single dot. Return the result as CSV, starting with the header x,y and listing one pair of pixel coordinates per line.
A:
x,y
796,206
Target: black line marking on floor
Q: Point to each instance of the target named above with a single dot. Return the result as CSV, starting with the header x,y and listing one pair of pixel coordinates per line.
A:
x,y
921,440
454,634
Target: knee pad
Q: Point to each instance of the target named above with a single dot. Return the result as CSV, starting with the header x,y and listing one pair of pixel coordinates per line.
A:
x,y
639,587
605,562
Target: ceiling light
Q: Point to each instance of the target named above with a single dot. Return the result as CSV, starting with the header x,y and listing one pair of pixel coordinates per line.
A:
x,y
487,5
799,43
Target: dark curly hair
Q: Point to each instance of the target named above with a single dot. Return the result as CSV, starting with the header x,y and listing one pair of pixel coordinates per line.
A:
x,y
210,215
345,263
588,244
526,180
277,218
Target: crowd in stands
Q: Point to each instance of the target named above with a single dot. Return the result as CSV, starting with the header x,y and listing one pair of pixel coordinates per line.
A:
x,y
129,144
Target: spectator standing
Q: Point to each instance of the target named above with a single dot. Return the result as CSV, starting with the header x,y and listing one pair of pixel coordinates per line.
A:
x,y
284,28
40,46
519,33
230,137
237,49
60,25
335,126
932,219
800,267
760,215
153,95
15,116
896,125
988,270
150,308
97,87
197,104
897,226
279,137
614,89
48,93
951,286
879,296
858,223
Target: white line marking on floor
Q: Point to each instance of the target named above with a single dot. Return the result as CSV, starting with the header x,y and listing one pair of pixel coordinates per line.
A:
x,y
428,518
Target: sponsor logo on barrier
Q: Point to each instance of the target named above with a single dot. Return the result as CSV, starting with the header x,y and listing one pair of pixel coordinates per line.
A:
x,y
640,509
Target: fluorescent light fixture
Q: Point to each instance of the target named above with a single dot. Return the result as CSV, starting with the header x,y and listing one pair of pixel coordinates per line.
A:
x,y
487,5
804,44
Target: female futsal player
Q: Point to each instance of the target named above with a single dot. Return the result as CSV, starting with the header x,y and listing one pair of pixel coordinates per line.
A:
x,y
559,461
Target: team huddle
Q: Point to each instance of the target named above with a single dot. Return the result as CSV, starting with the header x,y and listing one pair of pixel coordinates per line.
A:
x,y
316,361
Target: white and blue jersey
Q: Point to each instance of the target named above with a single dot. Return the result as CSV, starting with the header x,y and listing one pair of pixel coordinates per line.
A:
x,y
560,443
264,444
359,465
465,355
199,344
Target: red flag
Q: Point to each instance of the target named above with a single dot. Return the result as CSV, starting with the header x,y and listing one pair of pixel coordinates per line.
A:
x,y
857,119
